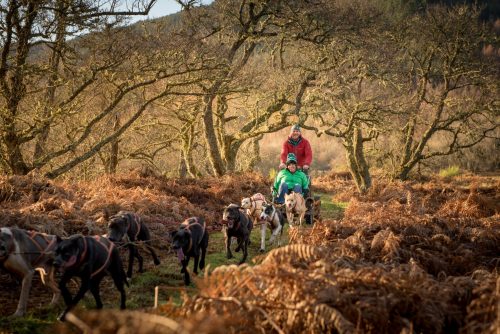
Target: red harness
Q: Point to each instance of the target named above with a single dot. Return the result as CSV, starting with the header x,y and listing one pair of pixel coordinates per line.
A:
x,y
109,249
84,253
50,243
137,218
187,224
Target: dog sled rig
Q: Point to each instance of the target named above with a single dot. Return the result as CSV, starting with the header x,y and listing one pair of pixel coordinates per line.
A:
x,y
313,204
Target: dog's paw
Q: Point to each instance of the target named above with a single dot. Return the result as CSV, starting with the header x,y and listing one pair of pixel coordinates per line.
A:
x,y
262,250
229,256
157,262
237,249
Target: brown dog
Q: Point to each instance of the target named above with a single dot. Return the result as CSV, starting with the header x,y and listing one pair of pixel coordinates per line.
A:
x,y
295,205
21,253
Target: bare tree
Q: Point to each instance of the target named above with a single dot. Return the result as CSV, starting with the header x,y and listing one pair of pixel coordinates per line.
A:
x,y
29,29
346,99
89,79
451,89
231,32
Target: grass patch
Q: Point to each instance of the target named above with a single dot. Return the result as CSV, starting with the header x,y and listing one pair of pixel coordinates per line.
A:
x,y
27,325
331,209
450,172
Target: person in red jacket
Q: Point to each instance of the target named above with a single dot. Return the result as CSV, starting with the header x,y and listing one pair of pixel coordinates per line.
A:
x,y
299,146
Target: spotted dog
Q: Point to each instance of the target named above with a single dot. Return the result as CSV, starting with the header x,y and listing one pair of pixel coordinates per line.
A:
x,y
275,220
191,239
21,253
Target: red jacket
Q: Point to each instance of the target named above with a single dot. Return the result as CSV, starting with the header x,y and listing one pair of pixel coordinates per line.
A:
x,y
302,151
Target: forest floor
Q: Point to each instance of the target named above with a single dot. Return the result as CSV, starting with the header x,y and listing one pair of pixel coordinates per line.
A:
x,y
397,226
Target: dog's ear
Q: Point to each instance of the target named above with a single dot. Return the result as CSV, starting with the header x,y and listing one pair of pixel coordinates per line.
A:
x,y
105,214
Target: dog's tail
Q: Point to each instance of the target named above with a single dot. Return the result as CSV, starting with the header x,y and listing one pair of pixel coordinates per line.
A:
x,y
43,274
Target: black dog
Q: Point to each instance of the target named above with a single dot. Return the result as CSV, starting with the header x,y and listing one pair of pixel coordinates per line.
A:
x,y
89,258
129,226
189,240
238,225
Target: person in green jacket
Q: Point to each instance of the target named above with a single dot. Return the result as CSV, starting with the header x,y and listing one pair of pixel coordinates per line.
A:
x,y
290,179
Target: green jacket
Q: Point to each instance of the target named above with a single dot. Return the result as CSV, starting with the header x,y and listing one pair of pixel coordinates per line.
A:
x,y
291,179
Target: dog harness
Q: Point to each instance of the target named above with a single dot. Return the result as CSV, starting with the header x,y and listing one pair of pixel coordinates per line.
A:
x,y
109,249
186,225
84,253
137,222
253,202
50,243
138,225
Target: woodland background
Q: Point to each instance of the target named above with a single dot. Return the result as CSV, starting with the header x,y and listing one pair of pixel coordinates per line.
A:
x,y
397,87
182,115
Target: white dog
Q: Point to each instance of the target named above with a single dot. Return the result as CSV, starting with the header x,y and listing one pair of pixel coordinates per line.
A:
x,y
273,219
253,205
295,204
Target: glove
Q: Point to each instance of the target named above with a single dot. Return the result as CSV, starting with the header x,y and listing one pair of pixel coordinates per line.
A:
x,y
282,166
305,167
